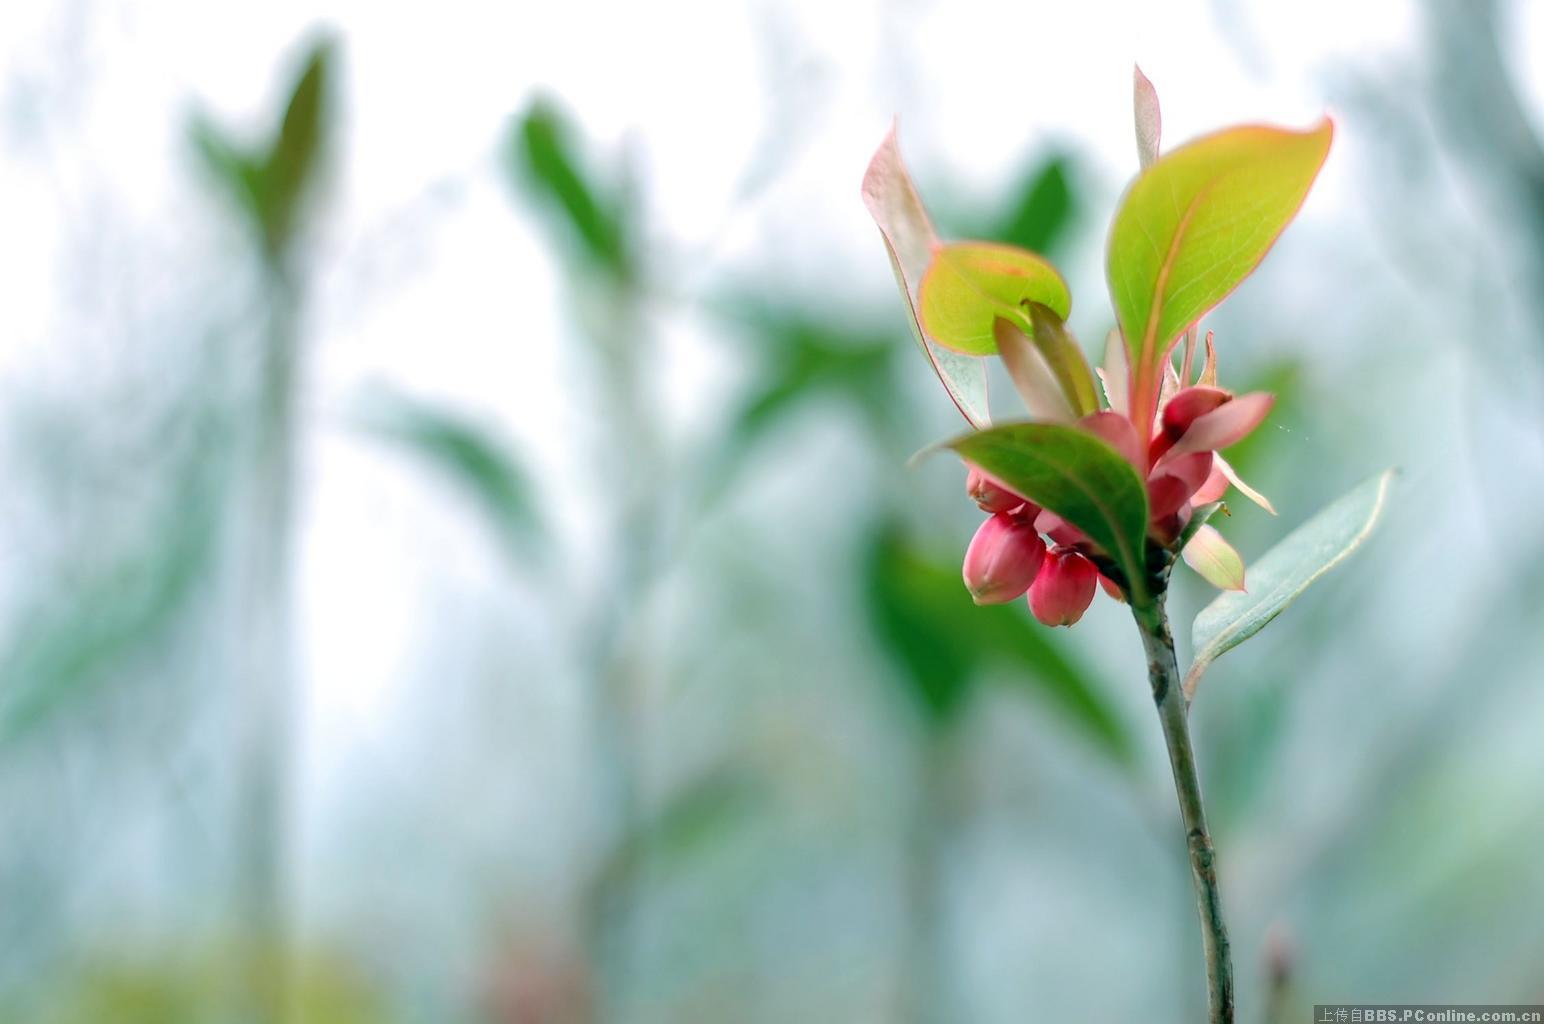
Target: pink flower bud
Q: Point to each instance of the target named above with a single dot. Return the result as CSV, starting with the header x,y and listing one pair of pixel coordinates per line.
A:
x,y
990,495
1003,558
1064,588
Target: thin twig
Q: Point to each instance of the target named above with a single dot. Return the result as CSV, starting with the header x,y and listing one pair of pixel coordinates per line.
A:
x,y
1163,670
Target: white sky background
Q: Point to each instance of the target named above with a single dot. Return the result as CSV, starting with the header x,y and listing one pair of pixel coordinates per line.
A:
x,y
468,308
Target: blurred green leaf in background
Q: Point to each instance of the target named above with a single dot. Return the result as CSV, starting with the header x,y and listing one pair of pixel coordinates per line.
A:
x,y
543,155
271,181
942,641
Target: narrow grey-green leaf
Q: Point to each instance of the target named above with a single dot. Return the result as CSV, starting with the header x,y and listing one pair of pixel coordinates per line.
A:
x,y
1285,571
471,458
1075,475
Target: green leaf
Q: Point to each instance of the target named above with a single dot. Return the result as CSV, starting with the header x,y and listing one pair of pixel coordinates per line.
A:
x,y
913,606
231,168
468,456
1040,662
968,285
807,358
1285,571
925,619
271,182
544,160
111,606
294,161
804,357
1078,477
903,222
1045,211
1194,225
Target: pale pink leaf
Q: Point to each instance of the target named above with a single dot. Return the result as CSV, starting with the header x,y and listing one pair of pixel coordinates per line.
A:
x,y
1208,378
1149,119
1115,374
1225,425
1215,559
1233,478
1031,374
893,202
1215,487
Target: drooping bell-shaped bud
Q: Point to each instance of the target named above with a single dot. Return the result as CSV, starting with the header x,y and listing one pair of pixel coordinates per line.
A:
x,y
1064,588
990,495
1003,559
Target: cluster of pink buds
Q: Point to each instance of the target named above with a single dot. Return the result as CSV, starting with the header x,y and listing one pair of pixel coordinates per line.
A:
x,y
1007,557
1023,548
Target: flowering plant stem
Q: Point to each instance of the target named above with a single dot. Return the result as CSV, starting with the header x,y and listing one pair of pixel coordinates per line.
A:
x,y
1163,671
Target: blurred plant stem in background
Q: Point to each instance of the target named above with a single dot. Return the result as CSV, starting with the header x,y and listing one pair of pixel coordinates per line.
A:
x,y
928,968
263,679
273,187
596,227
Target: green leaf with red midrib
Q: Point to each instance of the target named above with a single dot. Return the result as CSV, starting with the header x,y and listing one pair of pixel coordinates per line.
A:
x,y
1193,226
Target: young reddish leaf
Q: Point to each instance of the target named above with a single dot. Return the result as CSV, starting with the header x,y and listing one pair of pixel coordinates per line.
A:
x,y
1076,477
1215,487
893,202
1148,117
1190,405
1173,482
1030,373
970,284
1192,227
1225,425
1214,559
1064,357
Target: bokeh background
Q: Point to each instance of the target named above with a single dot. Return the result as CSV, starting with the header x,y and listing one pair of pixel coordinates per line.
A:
x,y
459,562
